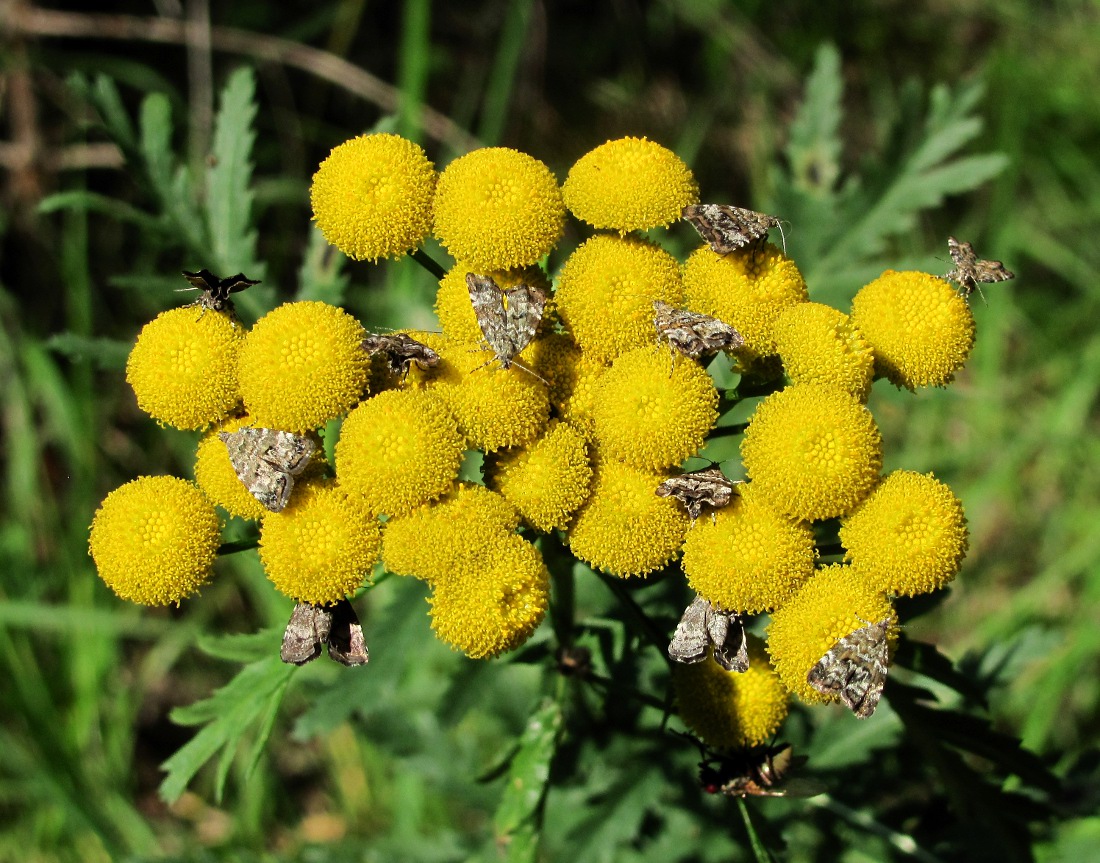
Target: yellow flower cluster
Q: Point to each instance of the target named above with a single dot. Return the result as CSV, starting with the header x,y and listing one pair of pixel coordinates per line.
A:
x,y
579,415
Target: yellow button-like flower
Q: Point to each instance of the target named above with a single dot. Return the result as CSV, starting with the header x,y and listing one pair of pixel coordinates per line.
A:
x,y
819,344
629,184
155,539
495,407
920,328
496,209
322,546
812,451
653,410
556,359
747,289
623,528
302,365
606,291
909,536
493,602
435,539
398,450
456,312
726,709
831,605
548,480
183,367
372,197
748,557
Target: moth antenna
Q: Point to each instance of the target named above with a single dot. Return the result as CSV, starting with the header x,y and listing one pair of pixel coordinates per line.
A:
x,y
530,372
783,235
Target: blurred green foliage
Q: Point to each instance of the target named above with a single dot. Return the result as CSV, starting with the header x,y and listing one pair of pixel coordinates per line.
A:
x,y
976,119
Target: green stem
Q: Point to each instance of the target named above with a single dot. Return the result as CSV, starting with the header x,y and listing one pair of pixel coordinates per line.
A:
x,y
727,431
427,262
758,850
651,631
238,545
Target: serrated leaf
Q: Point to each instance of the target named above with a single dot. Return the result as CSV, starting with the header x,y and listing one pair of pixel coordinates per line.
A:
x,y
106,354
156,143
926,659
529,771
228,180
814,147
248,701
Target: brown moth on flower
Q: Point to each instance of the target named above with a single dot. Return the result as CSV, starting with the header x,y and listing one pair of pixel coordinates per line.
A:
x,y
267,460
346,643
692,334
703,626
854,669
508,319
401,351
728,229
695,490
307,630
215,291
310,626
970,269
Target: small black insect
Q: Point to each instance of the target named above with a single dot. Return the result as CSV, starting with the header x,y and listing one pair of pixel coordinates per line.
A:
x,y
759,771
216,290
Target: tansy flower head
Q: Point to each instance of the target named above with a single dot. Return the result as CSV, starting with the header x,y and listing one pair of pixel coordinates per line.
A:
x,y
606,291
398,450
831,605
434,539
456,312
372,197
748,557
497,208
747,289
183,367
819,344
493,602
920,328
909,536
555,358
154,540
726,709
812,451
495,407
653,412
623,528
548,480
302,365
629,184
322,546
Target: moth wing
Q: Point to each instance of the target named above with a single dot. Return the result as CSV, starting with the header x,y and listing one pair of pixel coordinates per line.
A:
x,y
237,283
487,300
346,642
289,452
690,641
306,631
523,308
724,652
203,280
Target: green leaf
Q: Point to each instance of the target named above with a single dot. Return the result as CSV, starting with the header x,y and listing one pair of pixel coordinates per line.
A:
x,y
814,148
106,354
321,275
249,701
228,180
156,143
90,202
927,660
529,773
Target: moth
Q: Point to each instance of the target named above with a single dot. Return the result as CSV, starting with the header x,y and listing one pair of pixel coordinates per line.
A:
x,y
215,291
692,334
854,669
267,460
761,771
508,319
312,626
704,626
728,229
695,490
970,269
401,351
